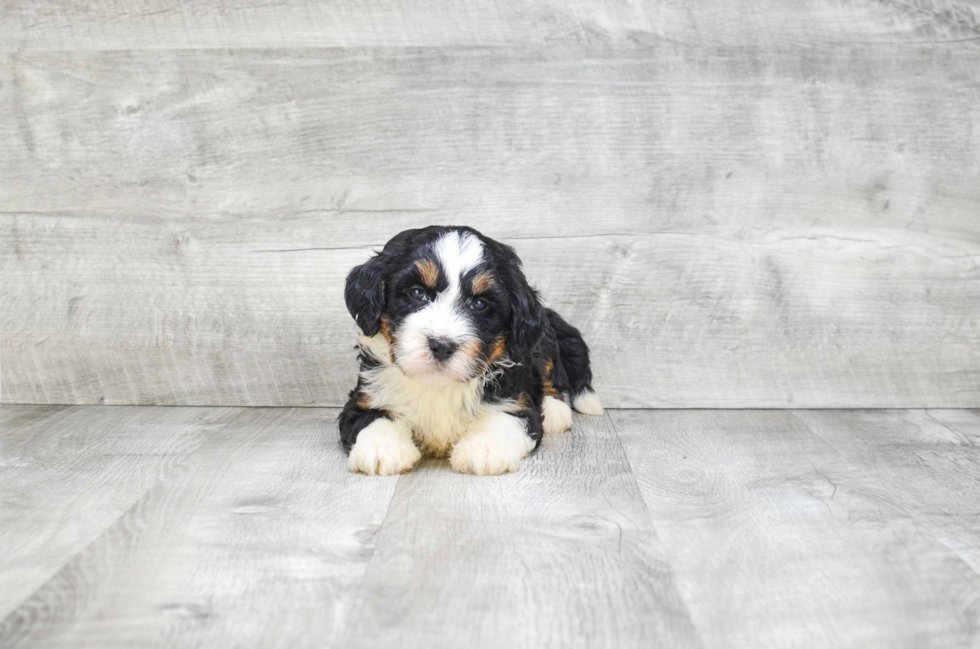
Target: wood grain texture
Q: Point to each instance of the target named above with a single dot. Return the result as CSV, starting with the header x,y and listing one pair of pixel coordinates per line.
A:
x,y
254,540
929,458
779,540
793,318
751,226
160,24
561,554
684,528
67,474
633,141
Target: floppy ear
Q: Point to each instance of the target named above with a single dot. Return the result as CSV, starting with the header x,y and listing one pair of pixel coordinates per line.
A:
x,y
527,315
365,289
364,294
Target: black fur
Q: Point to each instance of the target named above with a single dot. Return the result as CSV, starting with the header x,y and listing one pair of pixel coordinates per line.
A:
x,y
574,374
365,291
353,418
527,317
513,382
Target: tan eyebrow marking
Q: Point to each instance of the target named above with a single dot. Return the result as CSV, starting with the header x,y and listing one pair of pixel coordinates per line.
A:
x,y
429,271
482,282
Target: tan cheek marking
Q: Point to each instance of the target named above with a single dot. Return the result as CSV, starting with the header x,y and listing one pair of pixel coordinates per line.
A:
x,y
364,402
470,349
386,329
523,401
497,349
386,332
482,282
429,272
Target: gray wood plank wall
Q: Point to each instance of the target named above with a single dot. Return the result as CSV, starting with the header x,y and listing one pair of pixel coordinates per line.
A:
x,y
742,204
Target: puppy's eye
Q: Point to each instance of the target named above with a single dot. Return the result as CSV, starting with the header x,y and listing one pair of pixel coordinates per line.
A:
x,y
418,294
478,304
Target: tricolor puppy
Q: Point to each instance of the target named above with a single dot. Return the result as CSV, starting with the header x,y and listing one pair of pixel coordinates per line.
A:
x,y
458,357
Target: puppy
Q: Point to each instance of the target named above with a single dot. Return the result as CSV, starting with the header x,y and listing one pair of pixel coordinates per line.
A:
x,y
458,357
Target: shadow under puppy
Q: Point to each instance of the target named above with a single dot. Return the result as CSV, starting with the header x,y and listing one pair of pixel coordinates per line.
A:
x,y
458,357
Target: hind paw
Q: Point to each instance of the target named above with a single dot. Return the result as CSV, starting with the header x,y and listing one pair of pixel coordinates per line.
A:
x,y
587,402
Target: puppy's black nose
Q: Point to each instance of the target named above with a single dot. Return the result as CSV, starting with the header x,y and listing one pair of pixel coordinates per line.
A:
x,y
442,348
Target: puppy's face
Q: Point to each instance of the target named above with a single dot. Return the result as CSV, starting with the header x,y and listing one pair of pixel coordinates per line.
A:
x,y
446,310
447,301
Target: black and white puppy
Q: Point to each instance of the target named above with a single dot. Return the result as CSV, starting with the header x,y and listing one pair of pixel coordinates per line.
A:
x,y
458,357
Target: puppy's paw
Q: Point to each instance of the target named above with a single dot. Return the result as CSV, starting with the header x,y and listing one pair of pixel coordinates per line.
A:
x,y
587,402
493,445
557,415
384,447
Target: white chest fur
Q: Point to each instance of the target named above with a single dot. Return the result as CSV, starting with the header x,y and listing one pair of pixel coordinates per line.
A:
x,y
437,413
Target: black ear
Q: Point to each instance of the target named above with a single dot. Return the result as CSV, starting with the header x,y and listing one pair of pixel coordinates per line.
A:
x,y
527,315
365,289
364,294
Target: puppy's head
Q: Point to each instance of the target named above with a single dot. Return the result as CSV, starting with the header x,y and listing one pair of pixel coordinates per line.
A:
x,y
447,301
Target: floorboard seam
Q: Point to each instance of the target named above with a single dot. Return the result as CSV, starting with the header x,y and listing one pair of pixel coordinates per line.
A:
x,y
965,438
114,521
667,554
912,517
341,633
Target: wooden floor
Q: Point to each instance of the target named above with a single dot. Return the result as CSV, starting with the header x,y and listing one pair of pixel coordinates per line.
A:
x,y
208,527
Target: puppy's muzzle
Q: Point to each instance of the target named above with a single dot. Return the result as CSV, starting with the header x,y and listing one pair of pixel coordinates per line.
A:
x,y
442,348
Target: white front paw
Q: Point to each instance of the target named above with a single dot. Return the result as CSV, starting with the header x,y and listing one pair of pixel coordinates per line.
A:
x,y
384,447
493,445
557,415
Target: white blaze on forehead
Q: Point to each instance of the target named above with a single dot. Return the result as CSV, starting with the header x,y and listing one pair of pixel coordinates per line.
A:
x,y
444,317
458,254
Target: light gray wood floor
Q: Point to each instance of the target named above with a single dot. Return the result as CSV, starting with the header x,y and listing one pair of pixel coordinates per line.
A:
x,y
221,527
